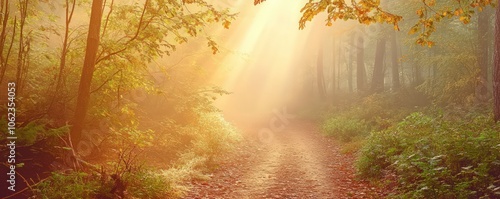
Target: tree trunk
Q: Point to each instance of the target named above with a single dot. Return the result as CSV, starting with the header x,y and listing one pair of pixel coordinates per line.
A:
x,y
349,65
87,72
57,111
496,69
417,74
360,70
378,69
395,63
4,18
401,67
333,80
320,76
483,23
23,10
339,63
64,51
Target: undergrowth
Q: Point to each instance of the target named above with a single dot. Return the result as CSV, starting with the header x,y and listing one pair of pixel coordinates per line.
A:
x,y
134,175
434,157
372,113
448,152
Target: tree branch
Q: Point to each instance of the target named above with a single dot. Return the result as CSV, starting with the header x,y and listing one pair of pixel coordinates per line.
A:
x,y
141,21
105,82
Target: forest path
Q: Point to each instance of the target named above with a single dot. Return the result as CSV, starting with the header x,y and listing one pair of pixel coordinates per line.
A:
x,y
297,162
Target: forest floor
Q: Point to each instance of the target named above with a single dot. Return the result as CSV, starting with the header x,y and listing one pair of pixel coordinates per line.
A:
x,y
297,162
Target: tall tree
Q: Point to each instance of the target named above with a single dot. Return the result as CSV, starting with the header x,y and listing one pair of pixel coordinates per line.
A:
x,y
23,46
349,64
483,24
378,68
320,77
339,62
82,102
417,73
153,30
4,19
70,8
496,70
360,66
396,85
334,76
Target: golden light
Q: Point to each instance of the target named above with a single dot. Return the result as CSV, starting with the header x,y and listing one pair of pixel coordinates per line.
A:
x,y
267,51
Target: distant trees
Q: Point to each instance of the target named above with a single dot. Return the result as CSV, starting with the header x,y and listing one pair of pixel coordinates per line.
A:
x,y
57,100
377,84
24,47
5,44
429,14
396,84
483,24
350,67
360,65
320,77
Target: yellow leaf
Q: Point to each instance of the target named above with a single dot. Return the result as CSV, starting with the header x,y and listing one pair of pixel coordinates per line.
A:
x,y
226,24
430,44
420,13
464,19
413,30
396,27
388,19
330,9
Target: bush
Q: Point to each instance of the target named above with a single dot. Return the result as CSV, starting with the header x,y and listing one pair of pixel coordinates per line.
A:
x,y
74,185
344,128
33,131
383,110
211,136
437,158
147,184
140,184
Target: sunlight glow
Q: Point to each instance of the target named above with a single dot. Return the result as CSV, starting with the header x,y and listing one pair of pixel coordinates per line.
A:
x,y
270,36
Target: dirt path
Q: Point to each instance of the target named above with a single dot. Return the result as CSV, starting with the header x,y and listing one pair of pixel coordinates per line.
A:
x,y
295,163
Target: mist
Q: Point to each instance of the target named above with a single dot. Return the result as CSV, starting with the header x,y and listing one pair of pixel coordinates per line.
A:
x,y
108,99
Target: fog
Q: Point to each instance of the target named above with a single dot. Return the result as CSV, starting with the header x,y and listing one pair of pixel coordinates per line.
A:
x,y
264,60
269,59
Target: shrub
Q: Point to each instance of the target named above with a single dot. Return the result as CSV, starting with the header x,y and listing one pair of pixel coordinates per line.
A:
x,y
139,184
211,136
437,158
33,131
344,128
381,111
147,184
74,185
